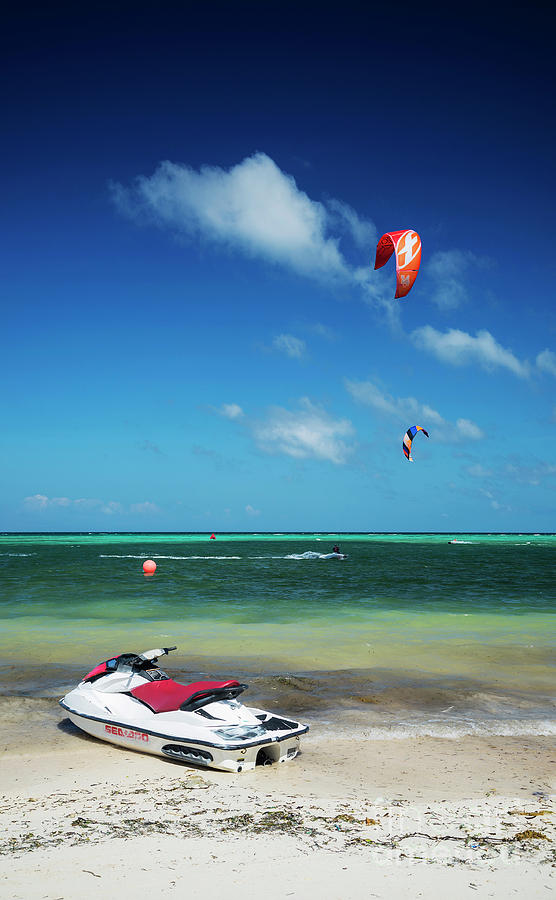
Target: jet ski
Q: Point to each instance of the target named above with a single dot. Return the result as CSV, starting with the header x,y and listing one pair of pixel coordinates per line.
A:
x,y
130,701
333,556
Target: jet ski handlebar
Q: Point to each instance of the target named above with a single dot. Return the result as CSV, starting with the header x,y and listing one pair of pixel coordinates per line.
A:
x,y
212,695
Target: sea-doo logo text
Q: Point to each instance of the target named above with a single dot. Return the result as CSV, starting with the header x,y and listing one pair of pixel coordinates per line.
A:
x,y
126,733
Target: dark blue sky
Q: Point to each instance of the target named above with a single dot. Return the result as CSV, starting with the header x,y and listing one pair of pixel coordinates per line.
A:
x,y
464,93
410,116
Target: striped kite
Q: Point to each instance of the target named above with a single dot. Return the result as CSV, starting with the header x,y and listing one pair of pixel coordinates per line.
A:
x,y
408,439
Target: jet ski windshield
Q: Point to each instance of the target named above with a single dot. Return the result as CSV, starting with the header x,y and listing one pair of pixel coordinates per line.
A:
x,y
152,655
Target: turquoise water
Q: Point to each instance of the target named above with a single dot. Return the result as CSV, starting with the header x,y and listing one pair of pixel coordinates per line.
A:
x,y
407,615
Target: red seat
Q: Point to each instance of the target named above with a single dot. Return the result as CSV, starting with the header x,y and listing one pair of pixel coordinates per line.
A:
x,y
168,695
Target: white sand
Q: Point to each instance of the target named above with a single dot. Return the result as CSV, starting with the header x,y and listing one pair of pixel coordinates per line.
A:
x,y
352,819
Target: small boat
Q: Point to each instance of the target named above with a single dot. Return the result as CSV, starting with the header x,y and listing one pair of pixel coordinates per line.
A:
x,y
130,701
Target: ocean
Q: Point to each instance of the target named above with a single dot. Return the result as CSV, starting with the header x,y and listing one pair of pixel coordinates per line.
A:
x,y
411,634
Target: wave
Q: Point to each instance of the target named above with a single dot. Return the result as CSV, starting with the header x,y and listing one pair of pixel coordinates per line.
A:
x,y
540,728
447,730
158,556
18,554
309,554
269,557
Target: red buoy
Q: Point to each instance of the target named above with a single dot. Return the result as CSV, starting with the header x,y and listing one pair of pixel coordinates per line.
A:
x,y
149,567
212,537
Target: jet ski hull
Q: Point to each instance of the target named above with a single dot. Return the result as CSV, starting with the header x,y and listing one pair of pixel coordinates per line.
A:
x,y
164,735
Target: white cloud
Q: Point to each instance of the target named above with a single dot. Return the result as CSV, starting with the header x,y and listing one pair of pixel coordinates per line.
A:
x,y
534,472
109,508
40,501
459,348
447,269
230,411
145,507
546,361
362,231
37,501
251,511
253,207
112,508
324,331
494,503
309,432
410,411
468,429
369,394
290,345
478,471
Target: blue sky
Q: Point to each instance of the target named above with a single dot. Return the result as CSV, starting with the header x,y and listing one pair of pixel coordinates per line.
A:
x,y
194,337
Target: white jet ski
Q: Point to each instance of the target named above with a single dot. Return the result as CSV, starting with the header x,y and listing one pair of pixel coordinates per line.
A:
x,y
128,700
333,556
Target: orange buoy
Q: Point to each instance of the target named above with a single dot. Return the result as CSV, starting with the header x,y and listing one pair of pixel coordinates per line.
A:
x,y
149,567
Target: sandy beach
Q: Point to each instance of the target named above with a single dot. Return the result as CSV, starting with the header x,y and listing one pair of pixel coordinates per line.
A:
x,y
348,818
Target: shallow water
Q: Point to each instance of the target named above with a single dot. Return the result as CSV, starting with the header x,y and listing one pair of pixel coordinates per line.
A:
x,y
404,628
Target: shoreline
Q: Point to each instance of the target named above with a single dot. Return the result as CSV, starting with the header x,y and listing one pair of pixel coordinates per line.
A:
x,y
422,813
368,704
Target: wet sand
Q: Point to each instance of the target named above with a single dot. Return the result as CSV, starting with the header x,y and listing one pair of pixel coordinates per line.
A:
x,y
349,818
